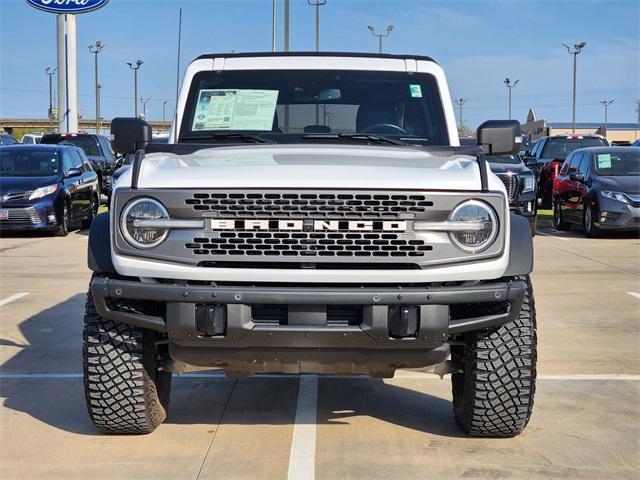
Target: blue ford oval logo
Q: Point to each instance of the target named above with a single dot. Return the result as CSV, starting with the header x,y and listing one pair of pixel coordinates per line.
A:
x,y
67,6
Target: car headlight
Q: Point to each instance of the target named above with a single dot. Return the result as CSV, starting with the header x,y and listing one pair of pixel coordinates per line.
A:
x,y
619,196
476,226
528,183
43,191
135,220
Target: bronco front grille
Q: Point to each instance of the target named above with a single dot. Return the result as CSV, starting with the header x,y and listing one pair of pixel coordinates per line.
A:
x,y
319,244
324,205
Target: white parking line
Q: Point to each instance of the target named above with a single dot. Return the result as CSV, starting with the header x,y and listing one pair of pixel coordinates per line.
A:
x,y
302,457
554,236
634,294
13,298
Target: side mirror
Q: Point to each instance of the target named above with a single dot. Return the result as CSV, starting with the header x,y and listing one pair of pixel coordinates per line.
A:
x,y
531,161
576,177
119,162
73,172
499,137
130,134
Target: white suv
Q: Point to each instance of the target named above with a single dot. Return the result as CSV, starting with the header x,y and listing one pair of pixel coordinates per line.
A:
x,y
312,213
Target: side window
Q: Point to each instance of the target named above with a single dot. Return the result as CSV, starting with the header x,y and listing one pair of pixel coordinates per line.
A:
x,y
537,148
86,166
66,162
584,162
575,161
75,160
106,146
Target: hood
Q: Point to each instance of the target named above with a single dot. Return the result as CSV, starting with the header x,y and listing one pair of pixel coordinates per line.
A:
x,y
626,184
310,166
10,184
508,167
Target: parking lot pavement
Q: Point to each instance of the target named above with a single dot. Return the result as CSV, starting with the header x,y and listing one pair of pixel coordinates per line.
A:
x,y
585,422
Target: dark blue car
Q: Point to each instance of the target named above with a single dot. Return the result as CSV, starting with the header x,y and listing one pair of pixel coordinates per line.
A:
x,y
46,187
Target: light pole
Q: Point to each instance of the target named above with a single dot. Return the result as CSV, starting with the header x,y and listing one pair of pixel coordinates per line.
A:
x,y
135,67
460,102
380,35
50,73
317,4
274,27
510,86
605,104
164,104
577,48
144,102
95,49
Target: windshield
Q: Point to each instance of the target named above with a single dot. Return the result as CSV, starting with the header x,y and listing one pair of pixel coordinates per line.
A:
x,y
276,104
618,164
88,144
28,163
561,147
512,159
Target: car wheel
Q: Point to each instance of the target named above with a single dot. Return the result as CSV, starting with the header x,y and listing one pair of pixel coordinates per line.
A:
x,y
493,393
590,230
64,221
558,221
125,391
86,223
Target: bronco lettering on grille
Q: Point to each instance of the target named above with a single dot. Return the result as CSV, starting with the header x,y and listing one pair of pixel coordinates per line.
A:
x,y
310,225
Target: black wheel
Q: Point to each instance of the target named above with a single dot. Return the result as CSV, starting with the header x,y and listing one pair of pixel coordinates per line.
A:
x,y
545,200
64,222
86,223
493,397
590,230
558,220
125,392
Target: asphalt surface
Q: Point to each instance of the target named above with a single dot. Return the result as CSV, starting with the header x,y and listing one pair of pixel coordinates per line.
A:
x,y
585,423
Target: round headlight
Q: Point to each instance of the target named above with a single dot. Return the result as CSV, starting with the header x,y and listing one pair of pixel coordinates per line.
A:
x,y
476,226
135,215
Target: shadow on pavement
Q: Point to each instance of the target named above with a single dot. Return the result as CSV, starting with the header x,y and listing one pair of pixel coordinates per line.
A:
x,y
54,345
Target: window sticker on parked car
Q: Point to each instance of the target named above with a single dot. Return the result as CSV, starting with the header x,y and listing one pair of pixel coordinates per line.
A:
x,y
416,91
604,160
234,109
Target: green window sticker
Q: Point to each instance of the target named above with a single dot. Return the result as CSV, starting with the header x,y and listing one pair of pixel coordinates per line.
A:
x,y
604,160
416,91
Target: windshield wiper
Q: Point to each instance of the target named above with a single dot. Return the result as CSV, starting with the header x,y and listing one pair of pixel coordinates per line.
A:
x,y
224,135
349,136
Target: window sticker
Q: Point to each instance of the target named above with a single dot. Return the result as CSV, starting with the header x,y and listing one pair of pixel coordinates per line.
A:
x,y
233,109
604,160
416,91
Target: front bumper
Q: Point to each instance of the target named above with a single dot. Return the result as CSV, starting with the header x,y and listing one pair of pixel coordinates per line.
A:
x,y
306,341
40,215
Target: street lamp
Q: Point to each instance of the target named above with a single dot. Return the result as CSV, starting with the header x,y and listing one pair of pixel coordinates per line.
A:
x,y
380,35
577,48
135,67
460,102
317,4
510,86
95,49
164,104
605,104
50,72
144,102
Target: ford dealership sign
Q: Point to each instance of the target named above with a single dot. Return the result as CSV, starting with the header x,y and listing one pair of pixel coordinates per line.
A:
x,y
67,6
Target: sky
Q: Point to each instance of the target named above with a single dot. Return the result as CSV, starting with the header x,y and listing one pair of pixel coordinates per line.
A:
x,y
478,43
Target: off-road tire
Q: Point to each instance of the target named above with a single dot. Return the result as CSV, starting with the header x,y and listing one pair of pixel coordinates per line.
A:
x,y
558,221
125,392
493,396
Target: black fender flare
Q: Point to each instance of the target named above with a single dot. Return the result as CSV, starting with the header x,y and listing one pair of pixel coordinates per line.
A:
x,y
99,249
520,247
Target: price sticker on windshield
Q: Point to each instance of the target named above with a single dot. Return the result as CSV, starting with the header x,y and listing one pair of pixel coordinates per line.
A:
x,y
604,160
416,91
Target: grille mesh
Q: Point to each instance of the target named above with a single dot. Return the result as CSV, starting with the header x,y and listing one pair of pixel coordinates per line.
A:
x,y
22,216
319,244
511,184
326,205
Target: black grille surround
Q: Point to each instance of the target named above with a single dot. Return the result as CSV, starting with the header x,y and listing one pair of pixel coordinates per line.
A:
x,y
511,183
246,234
